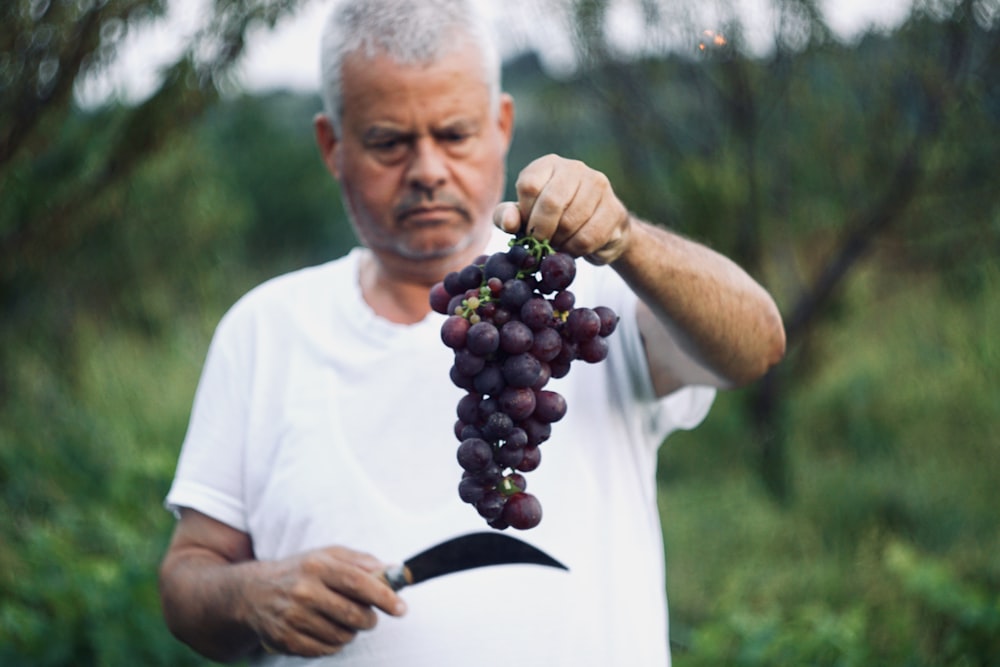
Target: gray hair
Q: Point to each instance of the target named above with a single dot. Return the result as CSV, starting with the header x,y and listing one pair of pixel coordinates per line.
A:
x,y
411,32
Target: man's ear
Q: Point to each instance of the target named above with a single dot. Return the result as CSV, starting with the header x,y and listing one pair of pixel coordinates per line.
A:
x,y
327,141
506,117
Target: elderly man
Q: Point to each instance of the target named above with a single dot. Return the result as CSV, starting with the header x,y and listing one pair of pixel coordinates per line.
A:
x,y
321,441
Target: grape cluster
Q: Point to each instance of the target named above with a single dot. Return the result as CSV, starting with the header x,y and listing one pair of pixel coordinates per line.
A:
x,y
513,325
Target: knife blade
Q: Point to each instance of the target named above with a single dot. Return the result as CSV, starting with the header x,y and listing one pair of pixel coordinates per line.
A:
x,y
466,552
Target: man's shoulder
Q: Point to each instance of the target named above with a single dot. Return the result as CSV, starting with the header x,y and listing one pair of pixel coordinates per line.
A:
x,y
288,297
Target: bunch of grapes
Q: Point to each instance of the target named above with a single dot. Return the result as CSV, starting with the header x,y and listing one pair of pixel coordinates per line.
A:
x,y
513,325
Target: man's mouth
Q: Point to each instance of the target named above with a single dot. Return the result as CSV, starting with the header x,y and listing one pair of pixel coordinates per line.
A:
x,y
426,216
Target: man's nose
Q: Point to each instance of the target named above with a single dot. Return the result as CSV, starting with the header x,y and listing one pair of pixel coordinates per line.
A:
x,y
429,167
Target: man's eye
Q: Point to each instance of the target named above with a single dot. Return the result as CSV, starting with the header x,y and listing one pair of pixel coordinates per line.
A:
x,y
385,144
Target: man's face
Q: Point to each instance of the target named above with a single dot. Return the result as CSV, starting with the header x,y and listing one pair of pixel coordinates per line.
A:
x,y
421,155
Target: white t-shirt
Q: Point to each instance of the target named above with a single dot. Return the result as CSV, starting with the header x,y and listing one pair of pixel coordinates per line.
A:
x,y
318,423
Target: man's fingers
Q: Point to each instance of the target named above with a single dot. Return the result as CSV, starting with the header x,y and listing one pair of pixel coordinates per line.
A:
x,y
507,217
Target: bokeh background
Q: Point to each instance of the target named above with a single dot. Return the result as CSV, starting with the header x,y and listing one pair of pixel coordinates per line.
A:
x,y
841,511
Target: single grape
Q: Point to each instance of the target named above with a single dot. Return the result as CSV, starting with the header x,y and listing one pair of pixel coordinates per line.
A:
x,y
499,266
537,430
521,370
466,382
453,284
545,344
497,427
482,339
564,301
516,337
490,505
517,438
549,406
517,402
474,454
594,350
532,459
455,332
489,381
468,408
522,511
557,272
536,313
470,490
439,299
515,293
508,455
609,320
582,324
471,277
467,362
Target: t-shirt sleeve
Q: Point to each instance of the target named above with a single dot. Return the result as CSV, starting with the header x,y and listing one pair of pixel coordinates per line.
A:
x,y
209,476
683,409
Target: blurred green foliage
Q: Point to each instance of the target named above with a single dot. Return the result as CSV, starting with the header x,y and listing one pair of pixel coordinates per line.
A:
x,y
884,550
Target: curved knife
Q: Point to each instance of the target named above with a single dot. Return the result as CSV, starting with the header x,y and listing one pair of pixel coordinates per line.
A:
x,y
465,553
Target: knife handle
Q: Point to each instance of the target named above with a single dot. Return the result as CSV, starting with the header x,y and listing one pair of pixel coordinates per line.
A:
x,y
397,577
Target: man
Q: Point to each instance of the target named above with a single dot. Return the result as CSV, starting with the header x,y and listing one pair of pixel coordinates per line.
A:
x,y
322,427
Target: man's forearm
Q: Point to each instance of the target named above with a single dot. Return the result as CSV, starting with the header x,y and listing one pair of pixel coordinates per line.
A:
x,y
203,605
713,309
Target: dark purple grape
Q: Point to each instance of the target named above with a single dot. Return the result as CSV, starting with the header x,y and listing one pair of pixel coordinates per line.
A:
x,y
474,454
549,406
489,381
536,313
467,362
537,430
594,350
518,402
471,490
564,301
487,406
557,272
466,382
518,255
559,369
522,511
532,459
468,408
498,523
521,370
517,438
439,299
455,332
546,344
490,475
515,293
516,337
453,284
469,431
482,338
490,505
498,426
508,456
582,324
471,277
501,317
609,320
499,266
